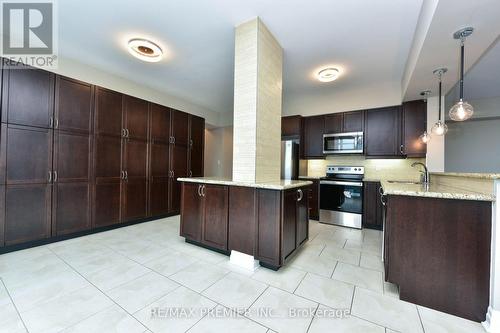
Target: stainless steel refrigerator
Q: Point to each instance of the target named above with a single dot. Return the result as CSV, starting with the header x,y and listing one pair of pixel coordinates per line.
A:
x,y
289,159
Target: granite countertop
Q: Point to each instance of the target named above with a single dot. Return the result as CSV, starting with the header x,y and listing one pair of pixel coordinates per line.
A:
x,y
310,177
433,191
276,185
468,175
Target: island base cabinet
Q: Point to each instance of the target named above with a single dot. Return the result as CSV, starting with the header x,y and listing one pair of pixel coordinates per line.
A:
x,y
204,214
438,252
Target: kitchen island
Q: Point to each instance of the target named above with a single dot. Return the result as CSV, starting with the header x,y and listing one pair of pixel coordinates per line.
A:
x,y
267,220
437,244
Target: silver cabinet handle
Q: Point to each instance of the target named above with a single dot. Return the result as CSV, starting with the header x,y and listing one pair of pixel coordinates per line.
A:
x,y
199,190
51,122
301,195
401,150
55,176
126,175
50,177
123,132
127,132
203,190
190,173
382,196
57,123
122,174
191,143
173,139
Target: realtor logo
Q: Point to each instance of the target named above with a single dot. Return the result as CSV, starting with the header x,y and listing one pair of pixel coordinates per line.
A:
x,y
28,30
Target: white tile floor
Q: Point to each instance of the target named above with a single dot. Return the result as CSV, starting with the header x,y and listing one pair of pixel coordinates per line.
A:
x,y
126,280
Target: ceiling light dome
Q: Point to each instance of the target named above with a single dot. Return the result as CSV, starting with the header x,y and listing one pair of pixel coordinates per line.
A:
x,y
328,74
145,50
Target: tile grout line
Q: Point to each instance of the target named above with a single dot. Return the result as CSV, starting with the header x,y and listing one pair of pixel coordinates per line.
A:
x,y
14,305
312,319
301,280
334,268
102,292
420,318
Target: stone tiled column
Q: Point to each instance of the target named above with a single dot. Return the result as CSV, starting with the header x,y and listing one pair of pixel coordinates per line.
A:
x,y
257,104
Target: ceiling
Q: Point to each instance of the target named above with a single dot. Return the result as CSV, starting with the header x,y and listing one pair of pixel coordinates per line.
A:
x,y
368,40
439,49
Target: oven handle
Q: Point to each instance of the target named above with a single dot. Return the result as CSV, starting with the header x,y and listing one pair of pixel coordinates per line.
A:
x,y
335,182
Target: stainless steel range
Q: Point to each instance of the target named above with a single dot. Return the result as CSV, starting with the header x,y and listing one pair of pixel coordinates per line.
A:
x,y
341,196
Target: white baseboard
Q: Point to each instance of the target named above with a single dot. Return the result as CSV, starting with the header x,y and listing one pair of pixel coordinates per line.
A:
x,y
492,322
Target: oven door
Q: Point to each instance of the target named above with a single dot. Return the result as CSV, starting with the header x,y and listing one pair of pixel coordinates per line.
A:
x,y
343,143
341,203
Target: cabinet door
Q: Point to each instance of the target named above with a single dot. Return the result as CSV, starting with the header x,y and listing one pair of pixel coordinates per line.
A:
x,y
107,173
27,213
2,214
370,204
291,126
302,216
159,179
28,154
160,124
334,123
178,165
289,222
108,112
196,146
135,189
28,97
72,182
353,121
191,211
382,132
180,127
314,200
73,105
313,137
215,224
414,124
136,117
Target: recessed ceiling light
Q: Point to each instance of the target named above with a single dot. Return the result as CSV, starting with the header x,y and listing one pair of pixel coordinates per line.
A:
x,y
145,50
328,74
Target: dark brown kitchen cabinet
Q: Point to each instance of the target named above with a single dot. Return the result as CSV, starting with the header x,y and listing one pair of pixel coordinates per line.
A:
x,y
73,105
27,213
414,124
108,112
204,215
382,132
313,137
334,123
134,180
372,206
353,121
295,220
191,211
179,168
446,239
28,97
196,145
291,127
179,127
72,177
313,195
160,124
135,118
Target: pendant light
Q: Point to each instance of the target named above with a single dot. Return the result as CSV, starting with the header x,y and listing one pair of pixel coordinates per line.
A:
x,y
462,110
425,137
440,128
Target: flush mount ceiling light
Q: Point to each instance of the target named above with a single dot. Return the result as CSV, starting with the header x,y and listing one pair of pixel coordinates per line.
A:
x,y
145,50
328,74
440,128
462,110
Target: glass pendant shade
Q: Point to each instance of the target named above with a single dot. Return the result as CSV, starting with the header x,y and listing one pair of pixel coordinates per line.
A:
x,y
425,137
461,111
439,128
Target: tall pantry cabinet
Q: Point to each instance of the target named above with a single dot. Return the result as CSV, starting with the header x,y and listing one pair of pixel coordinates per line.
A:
x,y
75,156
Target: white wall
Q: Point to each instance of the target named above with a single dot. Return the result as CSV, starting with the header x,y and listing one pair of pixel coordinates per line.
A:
x,y
93,75
219,152
435,147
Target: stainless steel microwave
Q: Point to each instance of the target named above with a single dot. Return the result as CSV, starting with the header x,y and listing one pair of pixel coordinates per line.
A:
x,y
343,143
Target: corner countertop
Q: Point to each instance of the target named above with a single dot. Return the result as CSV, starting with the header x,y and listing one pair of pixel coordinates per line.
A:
x,y
276,185
433,191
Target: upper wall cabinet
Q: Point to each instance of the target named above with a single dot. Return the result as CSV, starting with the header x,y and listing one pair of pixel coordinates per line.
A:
x,y
135,118
344,122
28,97
313,137
382,132
414,124
334,123
291,126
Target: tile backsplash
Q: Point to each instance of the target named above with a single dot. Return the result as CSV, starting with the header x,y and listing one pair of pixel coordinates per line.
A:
x,y
375,169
